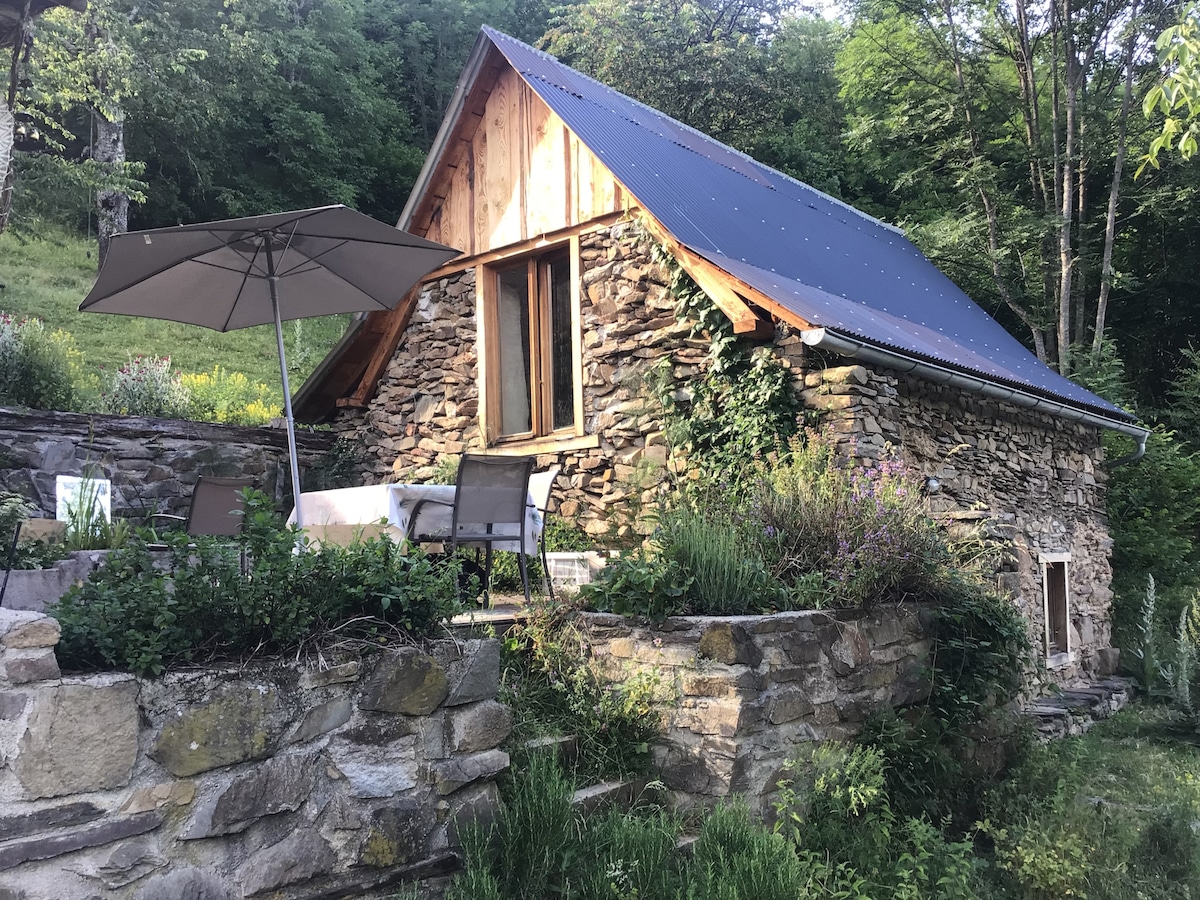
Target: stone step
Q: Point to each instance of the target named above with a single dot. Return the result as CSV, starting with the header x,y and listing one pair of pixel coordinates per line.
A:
x,y
564,746
1075,709
597,797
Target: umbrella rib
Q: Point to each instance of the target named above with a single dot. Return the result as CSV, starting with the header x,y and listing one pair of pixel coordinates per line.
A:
x,y
241,287
315,257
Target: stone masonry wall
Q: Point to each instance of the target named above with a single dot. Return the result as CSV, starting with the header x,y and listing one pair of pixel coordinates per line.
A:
x,y
428,400
278,781
153,463
1032,480
741,695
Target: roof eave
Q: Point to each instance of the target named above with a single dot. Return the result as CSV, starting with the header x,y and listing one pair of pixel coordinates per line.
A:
x,y
856,348
441,142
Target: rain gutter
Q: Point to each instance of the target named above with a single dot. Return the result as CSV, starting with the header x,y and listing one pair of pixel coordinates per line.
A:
x,y
856,349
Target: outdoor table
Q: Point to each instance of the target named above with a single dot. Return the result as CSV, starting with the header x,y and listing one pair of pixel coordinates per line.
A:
x,y
393,504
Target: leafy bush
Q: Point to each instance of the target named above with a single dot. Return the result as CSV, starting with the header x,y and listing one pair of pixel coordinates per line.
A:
x,y
145,386
38,368
230,397
863,528
219,598
551,689
565,536
642,582
25,554
1156,529
834,801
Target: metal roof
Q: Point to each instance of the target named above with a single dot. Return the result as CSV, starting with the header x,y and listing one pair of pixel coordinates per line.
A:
x,y
832,265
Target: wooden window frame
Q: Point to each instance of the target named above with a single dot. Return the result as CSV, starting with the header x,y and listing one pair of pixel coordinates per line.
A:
x,y
488,331
1049,563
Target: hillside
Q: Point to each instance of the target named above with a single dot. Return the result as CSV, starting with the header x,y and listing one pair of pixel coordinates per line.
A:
x,y
48,276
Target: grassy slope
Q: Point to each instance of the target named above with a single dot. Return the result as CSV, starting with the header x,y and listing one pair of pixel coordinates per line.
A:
x,y
49,276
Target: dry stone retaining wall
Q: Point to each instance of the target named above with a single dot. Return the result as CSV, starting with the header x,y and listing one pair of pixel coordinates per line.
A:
x,y
153,463
283,781
741,695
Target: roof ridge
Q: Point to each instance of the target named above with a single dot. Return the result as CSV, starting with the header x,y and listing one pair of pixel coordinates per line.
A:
x,y
493,34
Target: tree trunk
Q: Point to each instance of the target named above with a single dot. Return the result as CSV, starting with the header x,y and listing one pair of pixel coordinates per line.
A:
x,y
1110,221
112,206
8,104
7,124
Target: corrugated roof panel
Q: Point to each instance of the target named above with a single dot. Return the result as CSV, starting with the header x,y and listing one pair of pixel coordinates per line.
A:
x,y
832,265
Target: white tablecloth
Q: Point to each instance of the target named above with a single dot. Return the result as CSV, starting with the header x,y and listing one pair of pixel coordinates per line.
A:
x,y
394,504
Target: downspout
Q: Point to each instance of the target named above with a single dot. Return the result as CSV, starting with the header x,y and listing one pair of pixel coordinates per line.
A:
x,y
856,349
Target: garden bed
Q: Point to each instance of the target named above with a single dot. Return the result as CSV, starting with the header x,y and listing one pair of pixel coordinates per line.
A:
x,y
35,589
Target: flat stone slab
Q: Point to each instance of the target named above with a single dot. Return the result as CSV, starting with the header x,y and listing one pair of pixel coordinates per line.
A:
x,y
48,819
239,723
89,836
79,738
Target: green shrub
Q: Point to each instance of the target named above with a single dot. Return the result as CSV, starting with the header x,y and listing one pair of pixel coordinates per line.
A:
x,y
727,577
551,689
38,367
533,848
25,554
862,527
213,598
230,397
146,386
834,804
565,536
1155,529
641,582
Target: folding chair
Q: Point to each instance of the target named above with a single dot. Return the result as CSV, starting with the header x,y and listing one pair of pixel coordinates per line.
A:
x,y
540,486
490,493
216,507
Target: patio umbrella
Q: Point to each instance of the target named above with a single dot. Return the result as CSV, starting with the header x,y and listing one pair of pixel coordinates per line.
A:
x,y
226,275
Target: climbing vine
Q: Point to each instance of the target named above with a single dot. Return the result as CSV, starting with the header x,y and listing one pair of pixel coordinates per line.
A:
x,y
741,407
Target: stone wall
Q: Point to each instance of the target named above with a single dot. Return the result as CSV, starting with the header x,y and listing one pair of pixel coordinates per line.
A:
x,y
741,695
1032,481
152,463
283,781
427,404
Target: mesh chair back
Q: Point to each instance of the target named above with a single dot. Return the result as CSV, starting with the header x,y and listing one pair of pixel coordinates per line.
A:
x,y
490,490
217,506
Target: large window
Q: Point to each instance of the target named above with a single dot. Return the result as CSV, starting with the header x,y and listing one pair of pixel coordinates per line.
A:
x,y
532,348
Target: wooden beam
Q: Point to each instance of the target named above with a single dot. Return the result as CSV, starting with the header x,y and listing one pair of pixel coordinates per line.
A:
x,y
396,321
722,287
460,263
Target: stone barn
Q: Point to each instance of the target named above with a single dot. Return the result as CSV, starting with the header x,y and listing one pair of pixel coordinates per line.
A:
x,y
556,189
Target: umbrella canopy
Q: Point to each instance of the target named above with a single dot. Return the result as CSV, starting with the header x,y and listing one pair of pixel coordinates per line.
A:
x,y
251,271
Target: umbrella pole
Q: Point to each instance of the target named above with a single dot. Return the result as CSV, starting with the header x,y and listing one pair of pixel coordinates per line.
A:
x,y
287,394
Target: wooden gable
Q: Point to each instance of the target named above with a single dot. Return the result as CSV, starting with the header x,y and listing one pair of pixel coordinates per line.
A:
x,y
512,173
508,173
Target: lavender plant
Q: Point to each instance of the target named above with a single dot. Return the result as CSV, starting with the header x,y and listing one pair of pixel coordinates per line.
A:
x,y
146,386
861,528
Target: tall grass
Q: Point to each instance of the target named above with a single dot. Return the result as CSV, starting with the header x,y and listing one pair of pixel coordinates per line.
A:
x,y
49,275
